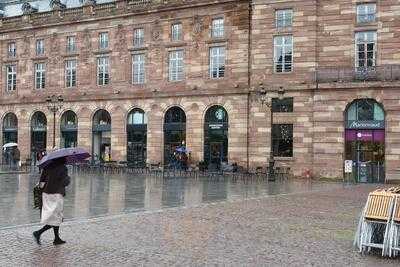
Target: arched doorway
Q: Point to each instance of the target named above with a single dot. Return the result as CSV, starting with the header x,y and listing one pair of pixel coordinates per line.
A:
x,y
215,137
10,133
69,129
137,138
101,148
174,132
10,128
38,133
365,140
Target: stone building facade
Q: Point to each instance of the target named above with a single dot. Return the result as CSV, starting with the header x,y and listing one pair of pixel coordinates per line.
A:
x,y
321,72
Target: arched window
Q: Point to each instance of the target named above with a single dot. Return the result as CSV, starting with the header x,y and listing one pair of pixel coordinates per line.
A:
x,y
101,117
39,121
365,110
216,114
10,121
137,117
69,119
175,115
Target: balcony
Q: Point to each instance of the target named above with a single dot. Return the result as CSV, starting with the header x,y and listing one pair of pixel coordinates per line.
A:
x,y
386,73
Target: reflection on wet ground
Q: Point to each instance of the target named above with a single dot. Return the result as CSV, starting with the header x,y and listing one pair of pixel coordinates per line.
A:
x,y
99,195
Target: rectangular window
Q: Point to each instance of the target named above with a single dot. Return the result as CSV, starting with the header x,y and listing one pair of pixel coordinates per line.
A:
x,y
40,75
282,140
138,37
103,40
282,105
40,47
70,73
284,18
103,76
176,65
176,32
11,77
366,49
217,62
283,53
71,44
217,29
138,69
366,13
12,50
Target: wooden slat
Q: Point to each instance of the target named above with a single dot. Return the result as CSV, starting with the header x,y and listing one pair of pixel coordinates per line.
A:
x,y
379,203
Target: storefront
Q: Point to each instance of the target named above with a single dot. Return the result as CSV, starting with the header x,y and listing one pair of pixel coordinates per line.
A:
x,y
101,149
38,133
174,132
215,137
69,129
137,138
365,140
10,128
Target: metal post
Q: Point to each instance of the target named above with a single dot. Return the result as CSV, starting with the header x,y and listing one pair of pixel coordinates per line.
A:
x,y
271,174
54,128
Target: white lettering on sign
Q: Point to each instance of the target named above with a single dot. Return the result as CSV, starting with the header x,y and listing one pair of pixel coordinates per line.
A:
x,y
348,166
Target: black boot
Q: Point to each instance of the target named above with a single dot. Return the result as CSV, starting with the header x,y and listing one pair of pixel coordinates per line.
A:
x,y
57,239
38,233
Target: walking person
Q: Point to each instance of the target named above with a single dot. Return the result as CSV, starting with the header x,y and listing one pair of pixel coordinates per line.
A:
x,y
54,179
16,155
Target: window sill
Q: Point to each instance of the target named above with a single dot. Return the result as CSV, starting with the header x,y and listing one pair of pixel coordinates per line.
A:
x,y
103,51
138,48
76,54
367,26
39,58
10,60
213,40
284,30
175,44
283,158
283,73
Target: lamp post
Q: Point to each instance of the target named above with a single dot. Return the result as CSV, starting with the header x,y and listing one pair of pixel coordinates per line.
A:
x,y
265,97
54,104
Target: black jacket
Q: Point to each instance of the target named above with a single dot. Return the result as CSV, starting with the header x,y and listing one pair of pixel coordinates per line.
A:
x,y
56,178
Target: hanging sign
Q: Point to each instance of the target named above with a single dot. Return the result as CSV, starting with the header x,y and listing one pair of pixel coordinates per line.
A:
x,y
348,166
215,126
365,125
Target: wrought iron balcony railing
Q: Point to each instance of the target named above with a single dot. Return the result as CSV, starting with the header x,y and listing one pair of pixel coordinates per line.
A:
x,y
346,74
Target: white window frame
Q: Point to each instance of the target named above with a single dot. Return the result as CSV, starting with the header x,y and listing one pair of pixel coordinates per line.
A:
x,y
362,38
12,49
218,28
283,18
366,12
71,44
176,32
11,76
103,68
138,68
217,60
285,49
176,65
70,73
40,47
138,37
103,40
40,75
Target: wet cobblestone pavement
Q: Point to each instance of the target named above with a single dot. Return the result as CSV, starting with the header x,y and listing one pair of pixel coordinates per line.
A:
x,y
129,221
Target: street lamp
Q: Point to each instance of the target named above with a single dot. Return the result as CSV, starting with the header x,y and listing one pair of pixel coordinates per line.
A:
x,y
54,104
265,98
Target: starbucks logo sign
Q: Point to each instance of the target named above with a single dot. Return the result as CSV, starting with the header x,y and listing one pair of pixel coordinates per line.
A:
x,y
219,114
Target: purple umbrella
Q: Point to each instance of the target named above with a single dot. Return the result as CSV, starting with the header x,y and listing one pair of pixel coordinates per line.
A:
x,y
72,155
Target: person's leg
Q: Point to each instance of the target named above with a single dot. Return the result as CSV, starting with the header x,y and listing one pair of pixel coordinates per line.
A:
x,y
38,233
57,239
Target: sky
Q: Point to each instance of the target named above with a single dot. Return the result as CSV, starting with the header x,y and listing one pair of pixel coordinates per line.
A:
x,y
43,6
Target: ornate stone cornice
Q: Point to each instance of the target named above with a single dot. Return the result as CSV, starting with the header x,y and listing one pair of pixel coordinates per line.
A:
x,y
91,10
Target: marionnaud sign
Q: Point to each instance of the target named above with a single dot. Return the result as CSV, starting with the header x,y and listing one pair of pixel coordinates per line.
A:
x,y
215,126
365,125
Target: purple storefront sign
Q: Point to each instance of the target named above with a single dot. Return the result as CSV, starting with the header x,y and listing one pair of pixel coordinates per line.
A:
x,y
365,135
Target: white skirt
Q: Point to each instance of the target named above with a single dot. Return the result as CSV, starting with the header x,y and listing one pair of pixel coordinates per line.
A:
x,y
52,210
